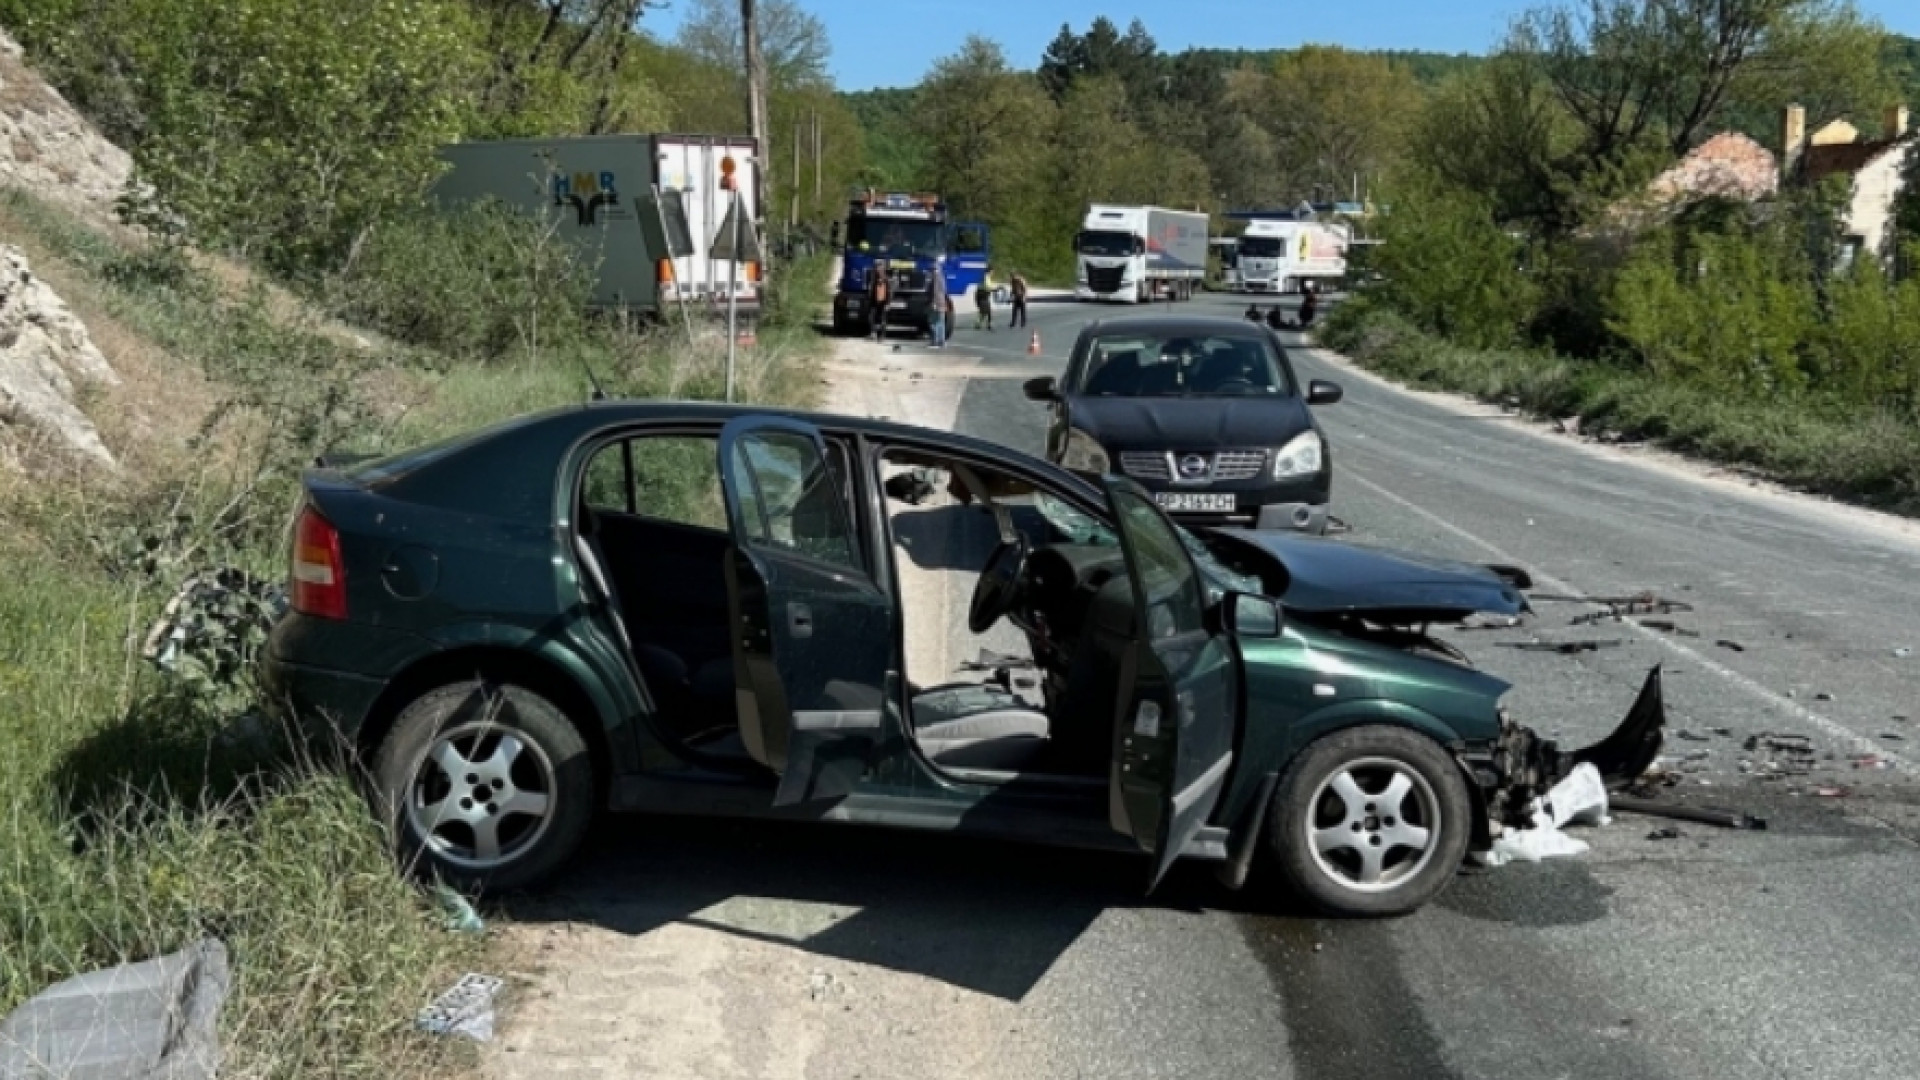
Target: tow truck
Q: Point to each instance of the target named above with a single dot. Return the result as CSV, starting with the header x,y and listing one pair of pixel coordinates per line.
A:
x,y
910,236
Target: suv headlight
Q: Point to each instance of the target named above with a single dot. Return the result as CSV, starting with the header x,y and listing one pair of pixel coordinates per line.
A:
x,y
1084,454
1301,457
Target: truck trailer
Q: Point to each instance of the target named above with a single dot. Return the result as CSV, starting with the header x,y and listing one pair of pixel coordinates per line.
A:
x,y
594,189
1281,256
1139,253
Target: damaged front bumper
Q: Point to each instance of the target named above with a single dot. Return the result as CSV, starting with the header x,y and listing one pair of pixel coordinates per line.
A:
x,y
1520,766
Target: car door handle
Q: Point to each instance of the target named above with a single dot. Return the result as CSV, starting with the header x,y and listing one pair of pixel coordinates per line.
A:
x,y
800,619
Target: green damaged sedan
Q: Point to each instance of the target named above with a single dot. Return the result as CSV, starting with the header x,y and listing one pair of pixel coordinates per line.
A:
x,y
672,608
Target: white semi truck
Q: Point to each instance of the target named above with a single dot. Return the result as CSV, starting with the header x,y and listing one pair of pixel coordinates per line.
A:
x,y
595,189
1139,253
1281,256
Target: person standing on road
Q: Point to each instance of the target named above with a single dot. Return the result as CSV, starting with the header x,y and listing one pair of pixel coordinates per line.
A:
x,y
877,297
1309,305
938,304
1018,286
983,302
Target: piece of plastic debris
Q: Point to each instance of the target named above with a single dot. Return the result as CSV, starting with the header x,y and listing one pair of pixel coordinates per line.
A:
x,y
1870,761
1665,832
818,984
1701,754
1564,648
151,1019
1823,696
1893,736
1579,798
1832,792
1729,644
1694,736
1725,819
465,1009
458,911
1902,653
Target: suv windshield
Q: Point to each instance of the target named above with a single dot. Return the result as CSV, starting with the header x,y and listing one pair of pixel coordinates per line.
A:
x,y
1181,365
896,239
1259,247
1106,243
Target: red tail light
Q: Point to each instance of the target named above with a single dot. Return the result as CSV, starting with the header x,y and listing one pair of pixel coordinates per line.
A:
x,y
318,582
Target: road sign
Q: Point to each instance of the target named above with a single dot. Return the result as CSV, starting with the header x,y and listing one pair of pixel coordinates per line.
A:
x,y
724,238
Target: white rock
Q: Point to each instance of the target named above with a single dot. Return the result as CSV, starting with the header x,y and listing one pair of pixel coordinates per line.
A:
x,y
44,349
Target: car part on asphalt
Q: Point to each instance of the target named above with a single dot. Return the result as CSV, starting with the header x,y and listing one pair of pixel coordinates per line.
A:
x,y
1725,819
1565,648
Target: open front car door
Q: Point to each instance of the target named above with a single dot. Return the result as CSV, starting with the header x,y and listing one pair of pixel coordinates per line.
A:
x,y
811,638
1173,736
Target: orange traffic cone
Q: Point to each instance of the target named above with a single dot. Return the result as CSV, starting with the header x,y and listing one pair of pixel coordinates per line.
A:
x,y
1033,344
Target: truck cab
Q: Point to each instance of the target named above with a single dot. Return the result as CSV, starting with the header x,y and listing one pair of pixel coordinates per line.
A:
x,y
909,237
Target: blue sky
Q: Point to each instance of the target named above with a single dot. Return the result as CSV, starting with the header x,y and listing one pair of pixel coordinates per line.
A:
x,y
893,42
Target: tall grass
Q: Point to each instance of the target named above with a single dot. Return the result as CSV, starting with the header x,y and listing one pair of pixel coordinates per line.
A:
x,y
1803,439
139,813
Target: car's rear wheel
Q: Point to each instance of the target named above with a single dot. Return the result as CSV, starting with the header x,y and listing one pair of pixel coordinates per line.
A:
x,y
1370,821
485,786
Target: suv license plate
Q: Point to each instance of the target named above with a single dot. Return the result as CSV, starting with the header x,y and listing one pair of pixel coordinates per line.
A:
x,y
1203,504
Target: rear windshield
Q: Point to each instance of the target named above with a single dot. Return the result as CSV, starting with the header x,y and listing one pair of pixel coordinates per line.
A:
x,y
1183,365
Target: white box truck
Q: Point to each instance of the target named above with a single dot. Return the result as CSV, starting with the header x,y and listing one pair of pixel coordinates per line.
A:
x,y
595,189
1140,253
1279,256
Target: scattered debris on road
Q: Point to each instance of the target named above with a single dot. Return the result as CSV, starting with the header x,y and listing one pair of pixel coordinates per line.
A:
x,y
1725,819
1580,798
466,1009
1493,622
1668,626
1727,643
458,913
1665,832
1902,653
1616,607
1565,648
1823,696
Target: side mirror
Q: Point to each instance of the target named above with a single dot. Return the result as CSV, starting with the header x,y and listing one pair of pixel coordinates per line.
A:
x,y
1041,389
1322,392
1251,616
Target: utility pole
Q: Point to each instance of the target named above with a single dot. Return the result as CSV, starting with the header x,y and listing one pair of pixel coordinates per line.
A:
x,y
793,217
816,161
756,101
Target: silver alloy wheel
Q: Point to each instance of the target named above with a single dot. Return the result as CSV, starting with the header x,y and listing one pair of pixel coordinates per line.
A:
x,y
481,796
1373,824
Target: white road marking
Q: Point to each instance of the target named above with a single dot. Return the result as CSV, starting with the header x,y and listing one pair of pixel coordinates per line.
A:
x,y
1832,727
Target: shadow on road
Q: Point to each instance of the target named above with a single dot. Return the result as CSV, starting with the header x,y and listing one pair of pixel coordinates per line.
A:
x,y
988,917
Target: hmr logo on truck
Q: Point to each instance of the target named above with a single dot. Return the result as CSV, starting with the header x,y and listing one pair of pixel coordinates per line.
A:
x,y
586,192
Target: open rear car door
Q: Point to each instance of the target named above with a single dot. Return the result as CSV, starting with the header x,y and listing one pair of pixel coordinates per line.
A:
x,y
1174,734
811,630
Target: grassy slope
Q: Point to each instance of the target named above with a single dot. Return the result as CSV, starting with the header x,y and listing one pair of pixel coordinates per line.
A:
x,y
1875,460
134,823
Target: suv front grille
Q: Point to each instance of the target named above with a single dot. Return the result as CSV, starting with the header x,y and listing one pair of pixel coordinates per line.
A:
x,y
1224,465
1238,464
1145,466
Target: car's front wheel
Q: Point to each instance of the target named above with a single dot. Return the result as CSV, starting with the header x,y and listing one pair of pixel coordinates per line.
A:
x,y
485,786
1370,821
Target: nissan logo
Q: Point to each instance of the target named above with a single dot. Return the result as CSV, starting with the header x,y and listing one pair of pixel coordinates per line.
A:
x,y
1193,465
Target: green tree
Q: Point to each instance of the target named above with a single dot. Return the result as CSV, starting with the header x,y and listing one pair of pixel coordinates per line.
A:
x,y
793,40
987,128
1450,267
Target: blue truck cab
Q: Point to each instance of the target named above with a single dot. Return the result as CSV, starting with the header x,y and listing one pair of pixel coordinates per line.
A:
x,y
910,236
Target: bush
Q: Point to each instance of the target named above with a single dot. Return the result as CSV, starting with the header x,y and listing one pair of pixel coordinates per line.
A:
x,y
482,282
1451,269
1819,442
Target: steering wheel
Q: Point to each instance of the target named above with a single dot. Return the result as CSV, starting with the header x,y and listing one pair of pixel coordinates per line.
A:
x,y
998,587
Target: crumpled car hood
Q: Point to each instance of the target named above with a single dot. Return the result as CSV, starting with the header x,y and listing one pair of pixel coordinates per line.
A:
x,y
1336,576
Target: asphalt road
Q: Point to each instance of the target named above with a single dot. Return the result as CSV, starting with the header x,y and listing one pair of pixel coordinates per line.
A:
x,y
722,950
1790,952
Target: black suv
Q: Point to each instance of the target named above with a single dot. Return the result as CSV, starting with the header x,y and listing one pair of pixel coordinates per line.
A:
x,y
1206,413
